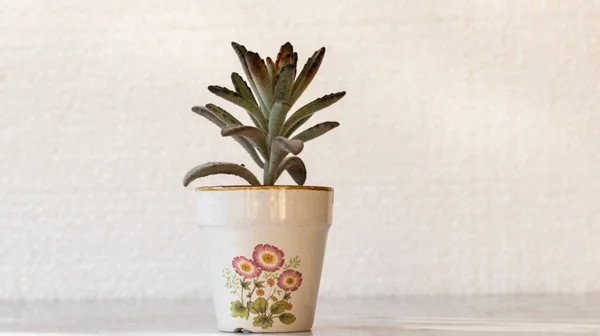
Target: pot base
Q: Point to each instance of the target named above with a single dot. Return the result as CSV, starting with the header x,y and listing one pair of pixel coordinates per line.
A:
x,y
246,331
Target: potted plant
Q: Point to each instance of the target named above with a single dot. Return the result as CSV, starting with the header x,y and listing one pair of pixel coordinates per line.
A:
x,y
264,242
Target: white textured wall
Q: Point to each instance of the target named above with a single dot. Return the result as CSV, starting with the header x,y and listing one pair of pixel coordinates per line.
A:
x,y
467,160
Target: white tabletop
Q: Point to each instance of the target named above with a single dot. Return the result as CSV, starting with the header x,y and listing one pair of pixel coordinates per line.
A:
x,y
509,315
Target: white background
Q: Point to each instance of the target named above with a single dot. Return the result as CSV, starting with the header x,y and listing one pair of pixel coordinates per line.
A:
x,y
467,160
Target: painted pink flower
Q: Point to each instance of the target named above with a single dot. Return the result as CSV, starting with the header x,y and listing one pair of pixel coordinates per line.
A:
x,y
268,257
246,268
289,280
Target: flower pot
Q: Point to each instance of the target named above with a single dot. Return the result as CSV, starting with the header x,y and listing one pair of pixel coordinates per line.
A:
x,y
265,247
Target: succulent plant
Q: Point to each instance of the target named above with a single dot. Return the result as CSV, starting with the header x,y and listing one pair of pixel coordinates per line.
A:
x,y
272,142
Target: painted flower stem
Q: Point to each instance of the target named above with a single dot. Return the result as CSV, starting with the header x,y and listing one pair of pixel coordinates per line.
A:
x,y
272,292
251,293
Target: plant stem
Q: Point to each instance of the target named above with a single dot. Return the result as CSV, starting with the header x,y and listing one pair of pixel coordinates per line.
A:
x,y
266,173
242,295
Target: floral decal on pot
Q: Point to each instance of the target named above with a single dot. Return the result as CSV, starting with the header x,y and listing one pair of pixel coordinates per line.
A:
x,y
264,286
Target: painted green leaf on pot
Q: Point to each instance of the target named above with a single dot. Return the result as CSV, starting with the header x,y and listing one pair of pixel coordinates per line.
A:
x,y
263,321
260,306
250,305
238,309
246,285
259,284
278,307
287,318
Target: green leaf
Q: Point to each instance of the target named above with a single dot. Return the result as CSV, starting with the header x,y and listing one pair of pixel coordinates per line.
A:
x,y
220,113
213,168
280,147
240,51
277,118
316,131
272,70
306,111
295,167
245,285
283,145
278,307
308,73
241,87
252,134
263,321
285,56
283,83
260,306
260,75
295,60
238,310
287,318
221,118
207,114
235,98
292,263
287,296
287,132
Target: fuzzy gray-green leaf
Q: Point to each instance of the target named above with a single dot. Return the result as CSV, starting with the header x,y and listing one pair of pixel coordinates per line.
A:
x,y
261,77
295,167
240,51
306,111
308,73
272,70
285,56
213,168
222,114
207,112
277,118
293,146
241,87
283,83
234,97
316,131
279,149
204,112
252,134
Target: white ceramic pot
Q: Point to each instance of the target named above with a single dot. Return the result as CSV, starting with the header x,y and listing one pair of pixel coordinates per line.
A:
x,y
265,247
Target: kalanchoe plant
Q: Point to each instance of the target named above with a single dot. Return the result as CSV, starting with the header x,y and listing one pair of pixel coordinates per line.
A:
x,y
272,142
